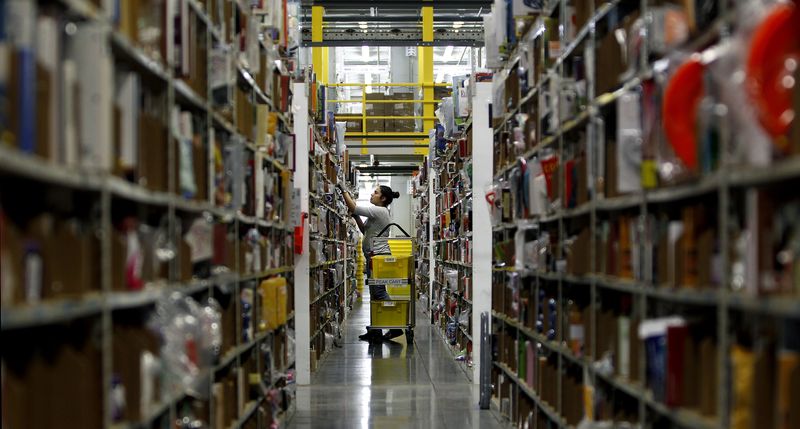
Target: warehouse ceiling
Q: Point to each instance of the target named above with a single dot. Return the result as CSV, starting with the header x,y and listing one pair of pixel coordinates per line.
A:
x,y
386,165
396,23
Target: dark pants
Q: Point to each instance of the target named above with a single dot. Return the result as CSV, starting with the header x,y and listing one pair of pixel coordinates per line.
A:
x,y
378,293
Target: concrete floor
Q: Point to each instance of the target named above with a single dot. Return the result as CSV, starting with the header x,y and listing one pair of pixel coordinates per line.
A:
x,y
390,385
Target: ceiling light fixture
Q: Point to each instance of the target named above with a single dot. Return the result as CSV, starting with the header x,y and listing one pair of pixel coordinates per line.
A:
x,y
458,24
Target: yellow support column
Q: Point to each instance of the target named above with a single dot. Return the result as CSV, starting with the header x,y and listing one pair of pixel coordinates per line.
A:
x,y
425,63
319,55
364,119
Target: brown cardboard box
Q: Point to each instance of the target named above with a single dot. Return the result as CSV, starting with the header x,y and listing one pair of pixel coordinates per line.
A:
x,y
200,166
588,335
401,109
579,257
375,109
512,89
633,340
611,169
583,12
43,91
705,254
376,125
354,126
691,371
11,254
119,251
708,377
764,381
152,153
611,58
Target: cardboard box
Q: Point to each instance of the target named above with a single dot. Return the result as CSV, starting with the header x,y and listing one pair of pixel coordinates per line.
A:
x,y
611,58
579,256
375,109
376,125
354,126
152,153
400,109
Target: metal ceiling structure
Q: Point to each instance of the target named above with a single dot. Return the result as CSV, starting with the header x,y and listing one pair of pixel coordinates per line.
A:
x,y
445,26
395,23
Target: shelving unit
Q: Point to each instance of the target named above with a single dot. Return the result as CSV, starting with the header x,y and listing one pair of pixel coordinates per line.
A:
x,y
328,282
444,194
128,205
610,249
452,249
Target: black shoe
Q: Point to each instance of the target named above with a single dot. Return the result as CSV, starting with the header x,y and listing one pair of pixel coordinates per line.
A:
x,y
393,333
371,335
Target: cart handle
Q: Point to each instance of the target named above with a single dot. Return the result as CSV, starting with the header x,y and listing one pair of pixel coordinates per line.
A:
x,y
389,226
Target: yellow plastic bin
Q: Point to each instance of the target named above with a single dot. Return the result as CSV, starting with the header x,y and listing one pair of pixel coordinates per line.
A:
x,y
389,314
396,272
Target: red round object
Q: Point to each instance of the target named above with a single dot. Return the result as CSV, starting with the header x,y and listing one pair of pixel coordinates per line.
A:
x,y
775,44
681,99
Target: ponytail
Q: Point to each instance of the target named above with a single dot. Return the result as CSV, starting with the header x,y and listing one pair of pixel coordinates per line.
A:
x,y
388,194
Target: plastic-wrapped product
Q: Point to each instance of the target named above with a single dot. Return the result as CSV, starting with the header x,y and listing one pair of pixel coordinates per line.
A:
x,y
190,336
452,278
524,241
629,142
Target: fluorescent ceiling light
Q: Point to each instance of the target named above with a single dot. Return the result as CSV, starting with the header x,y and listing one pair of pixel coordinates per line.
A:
x,y
458,24
362,25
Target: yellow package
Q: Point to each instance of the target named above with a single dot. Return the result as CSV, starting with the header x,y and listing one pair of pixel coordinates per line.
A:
x,y
273,303
742,363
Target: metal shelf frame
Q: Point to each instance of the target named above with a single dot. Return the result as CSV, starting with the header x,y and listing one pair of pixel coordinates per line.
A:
x,y
110,189
721,185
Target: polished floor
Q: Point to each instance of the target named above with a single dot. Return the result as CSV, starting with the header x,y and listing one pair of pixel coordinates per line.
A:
x,y
391,385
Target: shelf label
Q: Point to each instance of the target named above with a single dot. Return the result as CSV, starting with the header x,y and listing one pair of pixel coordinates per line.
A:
x,y
388,281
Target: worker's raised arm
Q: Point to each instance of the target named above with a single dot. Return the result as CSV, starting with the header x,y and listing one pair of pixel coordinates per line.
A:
x,y
351,204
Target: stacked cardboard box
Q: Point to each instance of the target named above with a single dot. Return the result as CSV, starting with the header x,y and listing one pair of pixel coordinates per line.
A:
x,y
354,126
375,109
400,109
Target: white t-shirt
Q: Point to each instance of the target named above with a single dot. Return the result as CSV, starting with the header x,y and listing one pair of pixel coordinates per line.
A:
x,y
377,219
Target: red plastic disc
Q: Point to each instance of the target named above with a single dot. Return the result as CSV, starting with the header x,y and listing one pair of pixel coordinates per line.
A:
x,y
775,44
681,98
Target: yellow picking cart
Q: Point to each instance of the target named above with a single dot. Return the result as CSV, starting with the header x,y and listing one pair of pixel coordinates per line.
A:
x,y
395,270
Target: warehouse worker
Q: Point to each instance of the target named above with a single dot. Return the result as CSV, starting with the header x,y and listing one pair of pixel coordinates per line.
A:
x,y
378,218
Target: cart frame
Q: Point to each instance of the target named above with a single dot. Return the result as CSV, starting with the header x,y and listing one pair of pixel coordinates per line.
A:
x,y
411,316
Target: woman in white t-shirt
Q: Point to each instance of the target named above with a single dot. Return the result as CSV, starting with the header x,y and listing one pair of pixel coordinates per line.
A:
x,y
378,218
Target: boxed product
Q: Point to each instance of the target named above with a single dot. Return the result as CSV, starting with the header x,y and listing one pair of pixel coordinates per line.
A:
x,y
611,58
583,11
400,109
273,303
375,109
354,126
